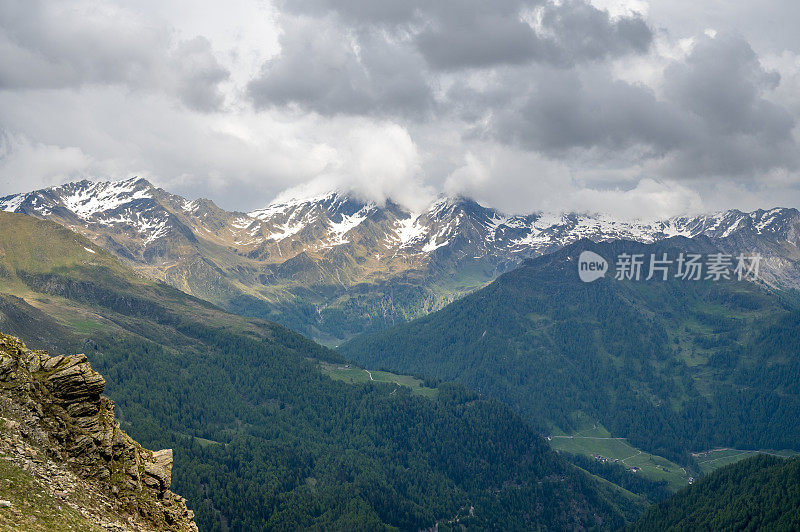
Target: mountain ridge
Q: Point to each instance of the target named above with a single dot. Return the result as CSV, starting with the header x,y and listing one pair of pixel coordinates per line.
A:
x,y
758,493
87,199
332,266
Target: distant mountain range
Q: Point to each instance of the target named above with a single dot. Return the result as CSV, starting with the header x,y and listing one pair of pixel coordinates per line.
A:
x,y
667,367
333,266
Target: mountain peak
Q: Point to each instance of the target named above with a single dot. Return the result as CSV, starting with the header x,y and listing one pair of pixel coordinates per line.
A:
x,y
284,203
130,183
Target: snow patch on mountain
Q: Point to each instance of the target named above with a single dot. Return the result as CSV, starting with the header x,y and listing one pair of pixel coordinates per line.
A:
x,y
496,222
338,230
152,230
767,218
732,228
189,206
286,230
96,198
283,206
672,228
147,226
12,203
432,245
409,230
242,223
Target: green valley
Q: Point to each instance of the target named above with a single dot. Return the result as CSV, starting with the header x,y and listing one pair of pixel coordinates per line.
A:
x,y
600,445
399,266
712,460
355,375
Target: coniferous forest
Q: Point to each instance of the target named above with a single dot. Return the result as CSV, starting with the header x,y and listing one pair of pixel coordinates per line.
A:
x,y
759,493
674,366
262,437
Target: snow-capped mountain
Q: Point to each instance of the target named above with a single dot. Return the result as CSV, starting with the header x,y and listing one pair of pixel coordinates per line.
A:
x,y
127,203
333,265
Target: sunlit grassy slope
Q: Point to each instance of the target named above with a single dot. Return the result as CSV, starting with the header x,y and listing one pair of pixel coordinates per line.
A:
x,y
355,375
32,508
598,442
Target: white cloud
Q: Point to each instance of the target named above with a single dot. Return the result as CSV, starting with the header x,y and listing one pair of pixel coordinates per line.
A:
x,y
622,8
25,164
373,162
522,183
648,200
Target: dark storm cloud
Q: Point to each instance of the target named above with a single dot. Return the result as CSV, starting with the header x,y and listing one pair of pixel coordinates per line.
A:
x,y
480,41
582,32
384,57
722,81
712,119
277,93
562,34
735,130
532,74
51,45
563,110
320,68
455,34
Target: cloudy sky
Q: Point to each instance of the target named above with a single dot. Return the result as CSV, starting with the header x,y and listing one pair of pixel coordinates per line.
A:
x,y
636,107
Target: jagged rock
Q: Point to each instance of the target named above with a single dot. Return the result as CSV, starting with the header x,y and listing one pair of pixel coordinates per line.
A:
x,y
52,407
160,468
75,379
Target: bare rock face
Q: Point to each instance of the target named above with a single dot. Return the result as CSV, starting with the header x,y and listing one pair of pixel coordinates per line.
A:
x,y
57,426
159,470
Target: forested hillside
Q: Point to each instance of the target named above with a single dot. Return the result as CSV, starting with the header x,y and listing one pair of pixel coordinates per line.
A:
x,y
760,493
261,437
675,366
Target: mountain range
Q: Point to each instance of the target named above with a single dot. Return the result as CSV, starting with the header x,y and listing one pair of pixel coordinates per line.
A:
x,y
334,266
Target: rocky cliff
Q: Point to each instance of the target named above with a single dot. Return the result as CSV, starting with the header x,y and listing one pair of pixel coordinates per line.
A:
x,y
65,464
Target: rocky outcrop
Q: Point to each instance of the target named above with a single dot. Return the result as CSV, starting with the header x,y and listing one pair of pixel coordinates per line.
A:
x,y
56,425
